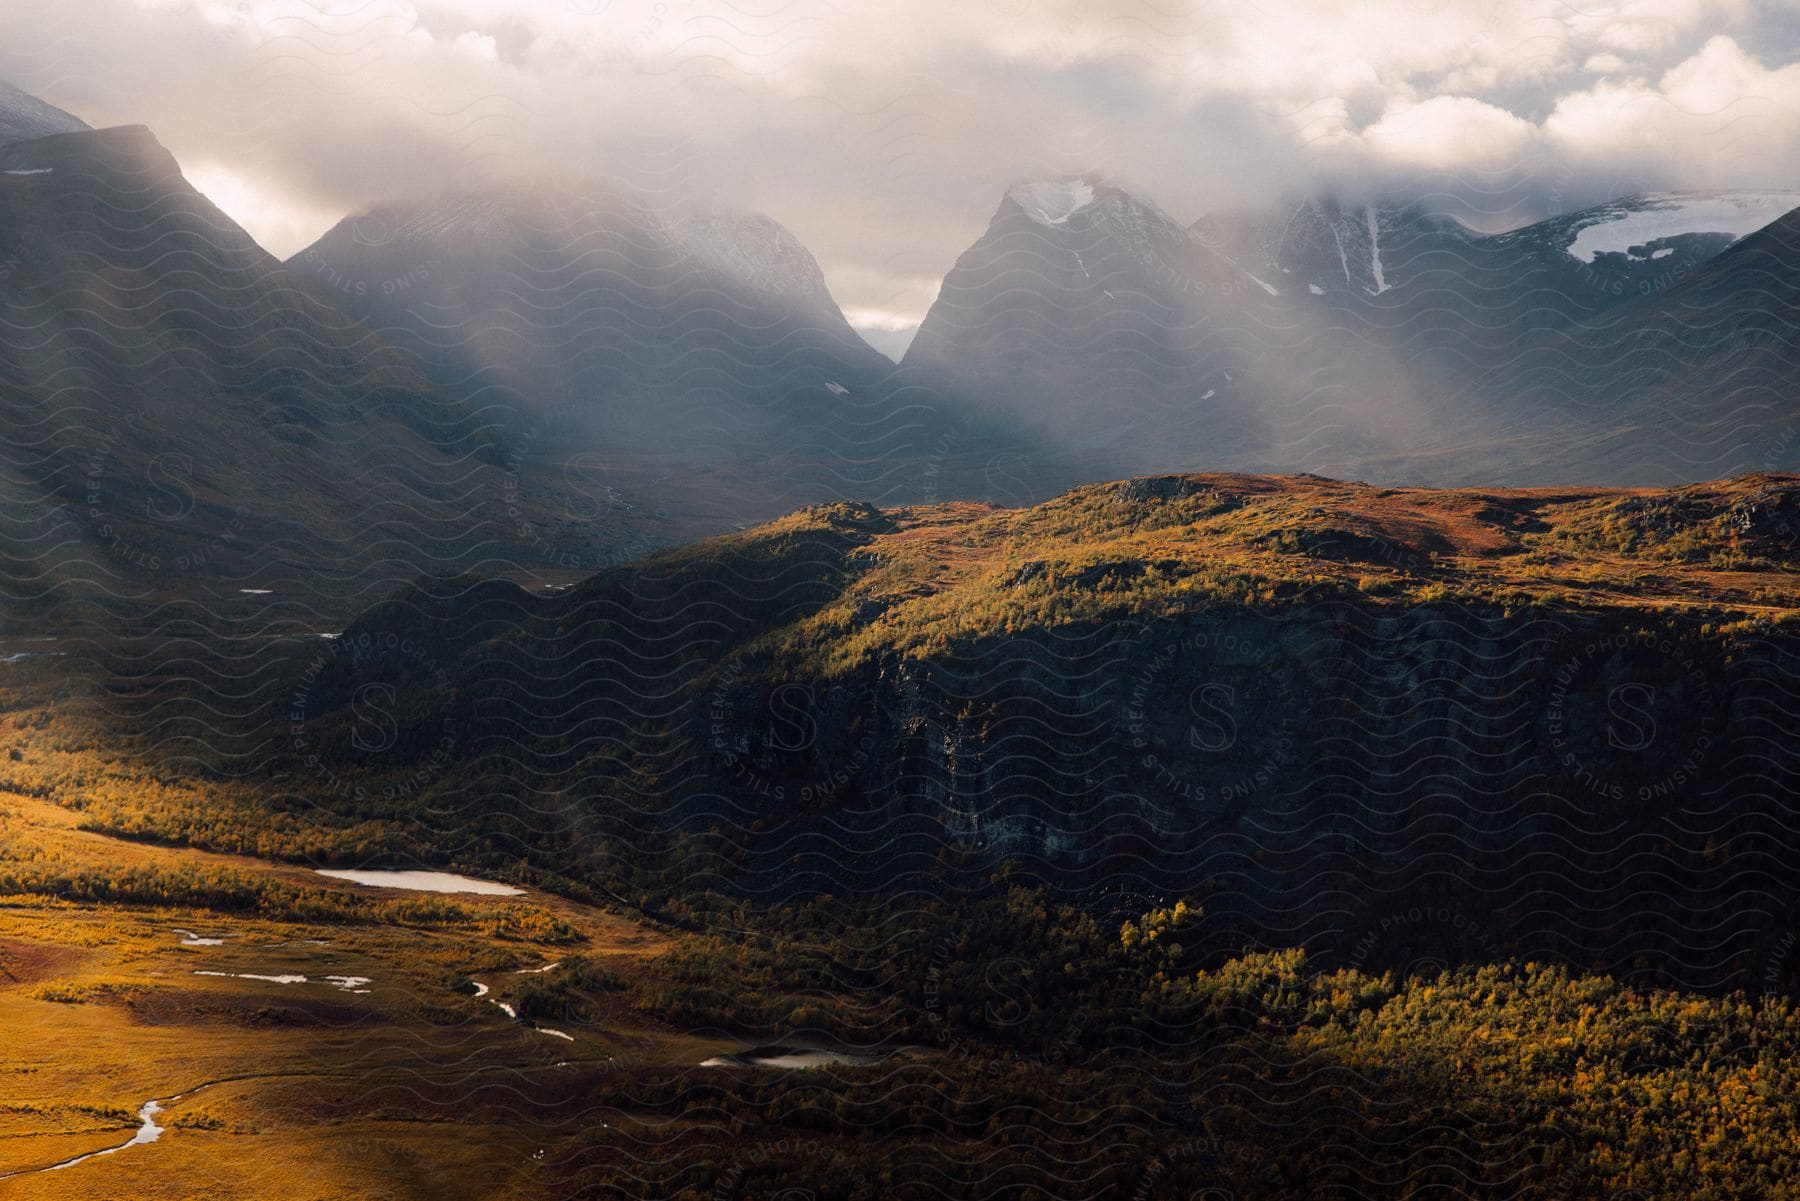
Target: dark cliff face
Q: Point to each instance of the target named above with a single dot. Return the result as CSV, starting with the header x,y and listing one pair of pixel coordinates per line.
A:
x,y
1382,776
179,417
1313,775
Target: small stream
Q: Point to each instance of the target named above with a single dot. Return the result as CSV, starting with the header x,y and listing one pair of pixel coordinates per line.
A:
x,y
147,1132
482,990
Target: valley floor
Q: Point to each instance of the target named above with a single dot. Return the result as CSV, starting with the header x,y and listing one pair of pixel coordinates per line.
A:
x,y
288,1059
187,1009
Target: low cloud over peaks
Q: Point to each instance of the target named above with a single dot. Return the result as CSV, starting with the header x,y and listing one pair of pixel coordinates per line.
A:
x,y
884,136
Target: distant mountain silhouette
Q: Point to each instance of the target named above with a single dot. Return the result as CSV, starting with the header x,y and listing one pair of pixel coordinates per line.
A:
x,y
1696,378
179,416
1346,338
682,373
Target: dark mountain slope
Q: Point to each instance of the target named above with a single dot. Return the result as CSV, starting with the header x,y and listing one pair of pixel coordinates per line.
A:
x,y
180,418
670,375
1368,339
1694,378
23,116
1088,316
1481,323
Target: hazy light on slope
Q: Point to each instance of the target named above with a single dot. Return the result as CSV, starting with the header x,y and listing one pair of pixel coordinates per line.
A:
x,y
280,224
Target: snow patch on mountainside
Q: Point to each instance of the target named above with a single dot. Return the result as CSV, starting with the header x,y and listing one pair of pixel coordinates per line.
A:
x,y
1619,227
1051,201
1381,284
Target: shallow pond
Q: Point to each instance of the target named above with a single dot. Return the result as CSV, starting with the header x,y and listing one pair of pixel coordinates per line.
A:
x,y
421,881
793,1058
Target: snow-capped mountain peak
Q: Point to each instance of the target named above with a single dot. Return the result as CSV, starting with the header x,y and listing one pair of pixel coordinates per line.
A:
x,y
1052,201
1093,211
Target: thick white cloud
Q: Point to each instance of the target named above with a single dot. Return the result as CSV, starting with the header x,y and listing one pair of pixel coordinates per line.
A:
x,y
1718,118
1605,64
1448,133
1640,27
884,134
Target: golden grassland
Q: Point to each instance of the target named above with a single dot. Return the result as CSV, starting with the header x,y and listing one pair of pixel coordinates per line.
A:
x,y
926,580
59,740
282,1087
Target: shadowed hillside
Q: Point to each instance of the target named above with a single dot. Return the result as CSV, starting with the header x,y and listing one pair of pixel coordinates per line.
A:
x,y
1314,704
182,420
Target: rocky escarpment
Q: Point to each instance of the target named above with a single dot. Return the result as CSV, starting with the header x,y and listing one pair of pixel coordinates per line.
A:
x,y
1549,783
1490,738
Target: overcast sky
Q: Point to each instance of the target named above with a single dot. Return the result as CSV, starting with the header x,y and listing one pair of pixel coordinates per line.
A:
x,y
883,131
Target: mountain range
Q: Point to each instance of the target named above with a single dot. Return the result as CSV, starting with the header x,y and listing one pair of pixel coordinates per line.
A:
x,y
1342,338
519,700
550,379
